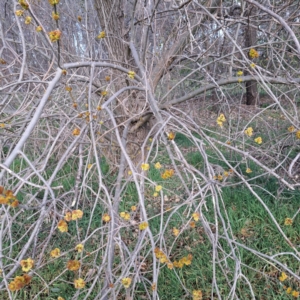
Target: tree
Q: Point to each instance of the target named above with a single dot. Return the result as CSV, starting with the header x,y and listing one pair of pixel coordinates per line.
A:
x,y
108,148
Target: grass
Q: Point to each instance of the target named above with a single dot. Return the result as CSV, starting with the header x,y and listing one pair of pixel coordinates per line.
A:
x,y
250,224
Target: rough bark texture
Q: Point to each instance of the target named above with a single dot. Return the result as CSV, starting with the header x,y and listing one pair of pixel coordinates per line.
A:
x,y
250,41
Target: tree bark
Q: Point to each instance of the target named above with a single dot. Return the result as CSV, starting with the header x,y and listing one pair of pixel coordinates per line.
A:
x,y
251,41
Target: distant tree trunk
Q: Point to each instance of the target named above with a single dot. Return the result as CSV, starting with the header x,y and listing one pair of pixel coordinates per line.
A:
x,y
250,41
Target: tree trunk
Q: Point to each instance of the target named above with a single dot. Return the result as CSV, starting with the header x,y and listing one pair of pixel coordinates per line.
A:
x,y
251,41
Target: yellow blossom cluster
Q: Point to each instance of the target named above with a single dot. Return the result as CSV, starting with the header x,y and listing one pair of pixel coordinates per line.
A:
x,y
79,283
101,35
19,13
131,74
283,276
288,222
253,53
73,215
143,226
73,265
55,16
157,166
38,29
186,260
145,167
249,131
55,253
79,248
291,129
221,119
171,136
258,140
24,4
28,20
69,216
125,215
106,218
167,174
7,197
239,73
19,282
162,257
54,35
126,281
298,134
76,131
53,2
27,264
197,295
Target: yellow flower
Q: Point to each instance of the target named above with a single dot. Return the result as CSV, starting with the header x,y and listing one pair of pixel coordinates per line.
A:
x,y
155,194
55,252
298,134
54,35
253,65
131,74
196,216
175,231
27,264
73,265
157,166
53,2
129,172
158,188
258,140
126,282
167,174
197,295
28,20
239,73
101,35
288,290
77,214
145,167
106,218
249,131
221,119
104,93
107,78
79,248
192,224
143,226
2,125
55,16
253,53
291,129
60,298
248,170
295,294
64,72
62,226
68,216
283,277
240,80
68,88
39,28
288,222
171,136
24,4
79,283
125,215
76,131
133,208
19,13
19,282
